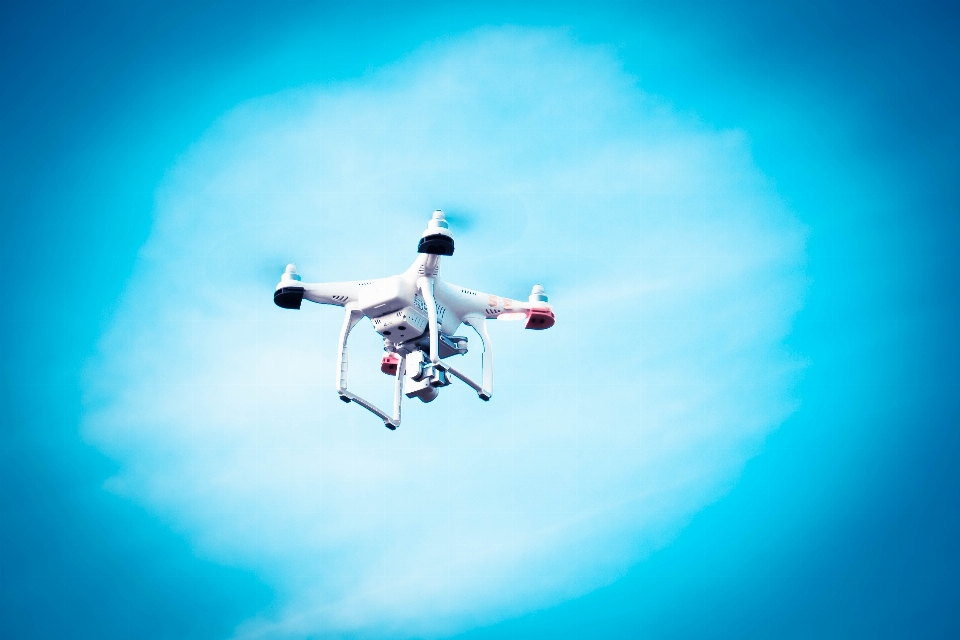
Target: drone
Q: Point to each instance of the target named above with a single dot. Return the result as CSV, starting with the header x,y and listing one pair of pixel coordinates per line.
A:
x,y
417,314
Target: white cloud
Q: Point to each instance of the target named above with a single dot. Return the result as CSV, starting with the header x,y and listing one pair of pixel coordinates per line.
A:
x,y
674,268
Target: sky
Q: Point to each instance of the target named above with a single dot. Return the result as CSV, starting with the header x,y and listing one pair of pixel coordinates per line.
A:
x,y
743,423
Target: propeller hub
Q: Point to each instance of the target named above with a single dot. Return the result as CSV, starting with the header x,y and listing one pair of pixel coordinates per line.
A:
x,y
290,273
437,239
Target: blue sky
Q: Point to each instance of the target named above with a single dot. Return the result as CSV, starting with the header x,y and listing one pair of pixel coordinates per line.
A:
x,y
780,181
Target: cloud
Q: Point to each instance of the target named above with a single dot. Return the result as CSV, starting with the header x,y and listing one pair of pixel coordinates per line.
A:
x,y
674,268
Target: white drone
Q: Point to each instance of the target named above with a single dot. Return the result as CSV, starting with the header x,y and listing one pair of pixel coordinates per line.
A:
x,y
417,314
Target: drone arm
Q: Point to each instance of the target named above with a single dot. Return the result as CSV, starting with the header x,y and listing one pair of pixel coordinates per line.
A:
x,y
537,310
334,293
506,305
291,291
426,290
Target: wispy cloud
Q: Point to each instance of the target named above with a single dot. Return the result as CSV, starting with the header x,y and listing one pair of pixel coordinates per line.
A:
x,y
674,268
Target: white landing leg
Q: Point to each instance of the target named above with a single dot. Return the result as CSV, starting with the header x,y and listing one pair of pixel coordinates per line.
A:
x,y
350,320
485,391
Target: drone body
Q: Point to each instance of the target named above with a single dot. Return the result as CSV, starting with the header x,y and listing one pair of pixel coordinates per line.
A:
x,y
417,313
